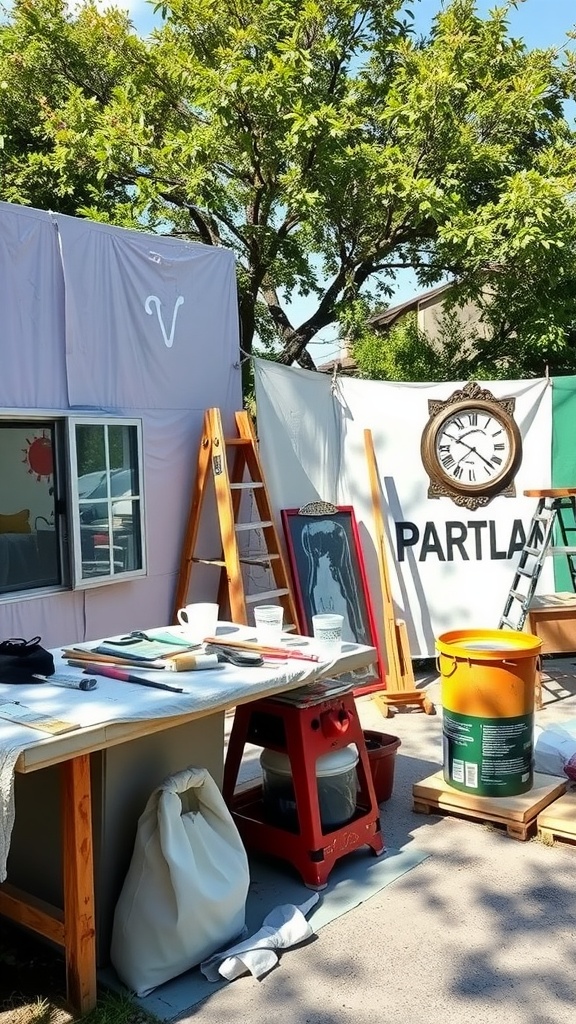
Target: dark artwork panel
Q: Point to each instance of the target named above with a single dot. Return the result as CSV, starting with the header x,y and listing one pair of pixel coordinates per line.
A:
x,y
329,574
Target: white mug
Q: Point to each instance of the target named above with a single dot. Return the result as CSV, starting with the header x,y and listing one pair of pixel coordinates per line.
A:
x,y
198,621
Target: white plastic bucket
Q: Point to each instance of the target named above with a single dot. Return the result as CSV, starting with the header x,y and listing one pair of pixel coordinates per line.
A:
x,y
336,780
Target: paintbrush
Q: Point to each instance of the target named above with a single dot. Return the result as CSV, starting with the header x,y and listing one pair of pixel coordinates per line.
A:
x,y
185,662
280,653
113,672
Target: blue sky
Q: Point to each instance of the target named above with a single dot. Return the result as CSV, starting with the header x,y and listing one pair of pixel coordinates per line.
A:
x,y
540,23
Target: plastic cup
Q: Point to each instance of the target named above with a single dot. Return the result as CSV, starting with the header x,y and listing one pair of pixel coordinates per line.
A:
x,y
327,629
268,621
198,621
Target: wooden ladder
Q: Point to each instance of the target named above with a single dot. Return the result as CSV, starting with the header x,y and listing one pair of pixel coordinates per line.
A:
x,y
233,477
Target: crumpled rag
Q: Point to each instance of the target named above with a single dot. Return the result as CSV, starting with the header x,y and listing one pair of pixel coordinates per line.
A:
x,y
283,927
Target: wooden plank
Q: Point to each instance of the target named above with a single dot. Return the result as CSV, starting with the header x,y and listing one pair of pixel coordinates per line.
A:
x,y
515,829
434,792
394,675
551,492
33,913
557,822
79,920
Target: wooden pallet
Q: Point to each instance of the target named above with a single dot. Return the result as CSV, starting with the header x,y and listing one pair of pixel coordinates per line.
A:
x,y
557,823
517,814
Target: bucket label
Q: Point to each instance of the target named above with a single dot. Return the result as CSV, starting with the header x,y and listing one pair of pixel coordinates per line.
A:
x,y
488,756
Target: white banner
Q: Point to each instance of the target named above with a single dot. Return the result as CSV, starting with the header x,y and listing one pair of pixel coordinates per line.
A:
x,y
451,568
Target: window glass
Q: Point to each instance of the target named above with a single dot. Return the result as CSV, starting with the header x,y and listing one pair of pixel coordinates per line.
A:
x,y
29,529
71,513
109,499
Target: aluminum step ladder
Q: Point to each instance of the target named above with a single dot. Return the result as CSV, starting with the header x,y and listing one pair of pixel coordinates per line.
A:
x,y
553,526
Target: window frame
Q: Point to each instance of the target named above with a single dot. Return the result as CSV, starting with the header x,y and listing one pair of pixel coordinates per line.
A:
x,y
67,502
78,581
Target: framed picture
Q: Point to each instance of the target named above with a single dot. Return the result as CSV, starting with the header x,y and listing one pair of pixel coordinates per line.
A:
x,y
329,575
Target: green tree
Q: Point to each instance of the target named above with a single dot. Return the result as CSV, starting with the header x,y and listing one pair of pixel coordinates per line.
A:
x,y
321,140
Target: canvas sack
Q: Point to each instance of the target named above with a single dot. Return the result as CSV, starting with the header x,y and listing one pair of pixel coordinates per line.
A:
x,y
184,895
555,749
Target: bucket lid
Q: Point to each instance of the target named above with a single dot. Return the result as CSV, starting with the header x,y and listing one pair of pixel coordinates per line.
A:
x,y
486,643
334,763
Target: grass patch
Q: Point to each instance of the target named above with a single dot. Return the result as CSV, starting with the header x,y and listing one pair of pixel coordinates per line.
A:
x,y
33,987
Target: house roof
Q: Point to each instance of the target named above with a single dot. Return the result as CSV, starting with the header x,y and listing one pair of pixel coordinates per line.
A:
x,y
389,316
383,321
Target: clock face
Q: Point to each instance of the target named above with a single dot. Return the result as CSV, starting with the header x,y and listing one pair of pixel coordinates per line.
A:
x,y
471,448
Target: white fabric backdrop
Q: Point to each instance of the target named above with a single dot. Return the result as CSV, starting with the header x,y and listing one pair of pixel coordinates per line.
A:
x,y
312,444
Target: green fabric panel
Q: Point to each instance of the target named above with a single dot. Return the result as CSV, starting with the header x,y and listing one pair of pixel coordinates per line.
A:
x,y
563,456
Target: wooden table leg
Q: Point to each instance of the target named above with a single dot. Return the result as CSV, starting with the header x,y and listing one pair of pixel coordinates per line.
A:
x,y
79,920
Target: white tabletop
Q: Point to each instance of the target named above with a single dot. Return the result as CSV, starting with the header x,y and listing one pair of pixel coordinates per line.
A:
x,y
117,711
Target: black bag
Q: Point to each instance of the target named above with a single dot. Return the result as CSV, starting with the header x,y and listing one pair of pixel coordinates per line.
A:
x,y
21,660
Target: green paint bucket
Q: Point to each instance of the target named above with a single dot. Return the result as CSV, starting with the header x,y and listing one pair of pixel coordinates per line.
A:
x,y
488,683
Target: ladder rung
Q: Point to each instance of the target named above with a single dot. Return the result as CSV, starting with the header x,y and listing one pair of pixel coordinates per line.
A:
x,y
258,559
247,485
264,595
239,527
210,561
237,442
539,543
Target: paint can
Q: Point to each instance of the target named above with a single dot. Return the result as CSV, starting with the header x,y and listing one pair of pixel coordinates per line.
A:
x,y
488,681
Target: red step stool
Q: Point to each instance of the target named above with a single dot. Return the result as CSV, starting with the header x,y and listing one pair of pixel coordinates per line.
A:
x,y
304,733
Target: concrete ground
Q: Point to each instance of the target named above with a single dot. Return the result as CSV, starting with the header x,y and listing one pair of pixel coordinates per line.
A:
x,y
483,931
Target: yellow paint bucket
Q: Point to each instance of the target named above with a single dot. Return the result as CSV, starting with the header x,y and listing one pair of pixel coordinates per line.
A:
x,y
488,680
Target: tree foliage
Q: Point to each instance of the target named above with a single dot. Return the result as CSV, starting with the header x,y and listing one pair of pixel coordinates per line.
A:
x,y
322,140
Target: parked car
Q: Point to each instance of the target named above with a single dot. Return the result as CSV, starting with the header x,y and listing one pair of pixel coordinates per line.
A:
x,y
93,487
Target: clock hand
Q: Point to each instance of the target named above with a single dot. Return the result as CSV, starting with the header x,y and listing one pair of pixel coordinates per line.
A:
x,y
484,459
474,430
463,443
470,449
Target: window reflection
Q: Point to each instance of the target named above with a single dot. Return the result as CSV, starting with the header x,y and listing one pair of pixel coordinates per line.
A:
x,y
109,500
29,543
